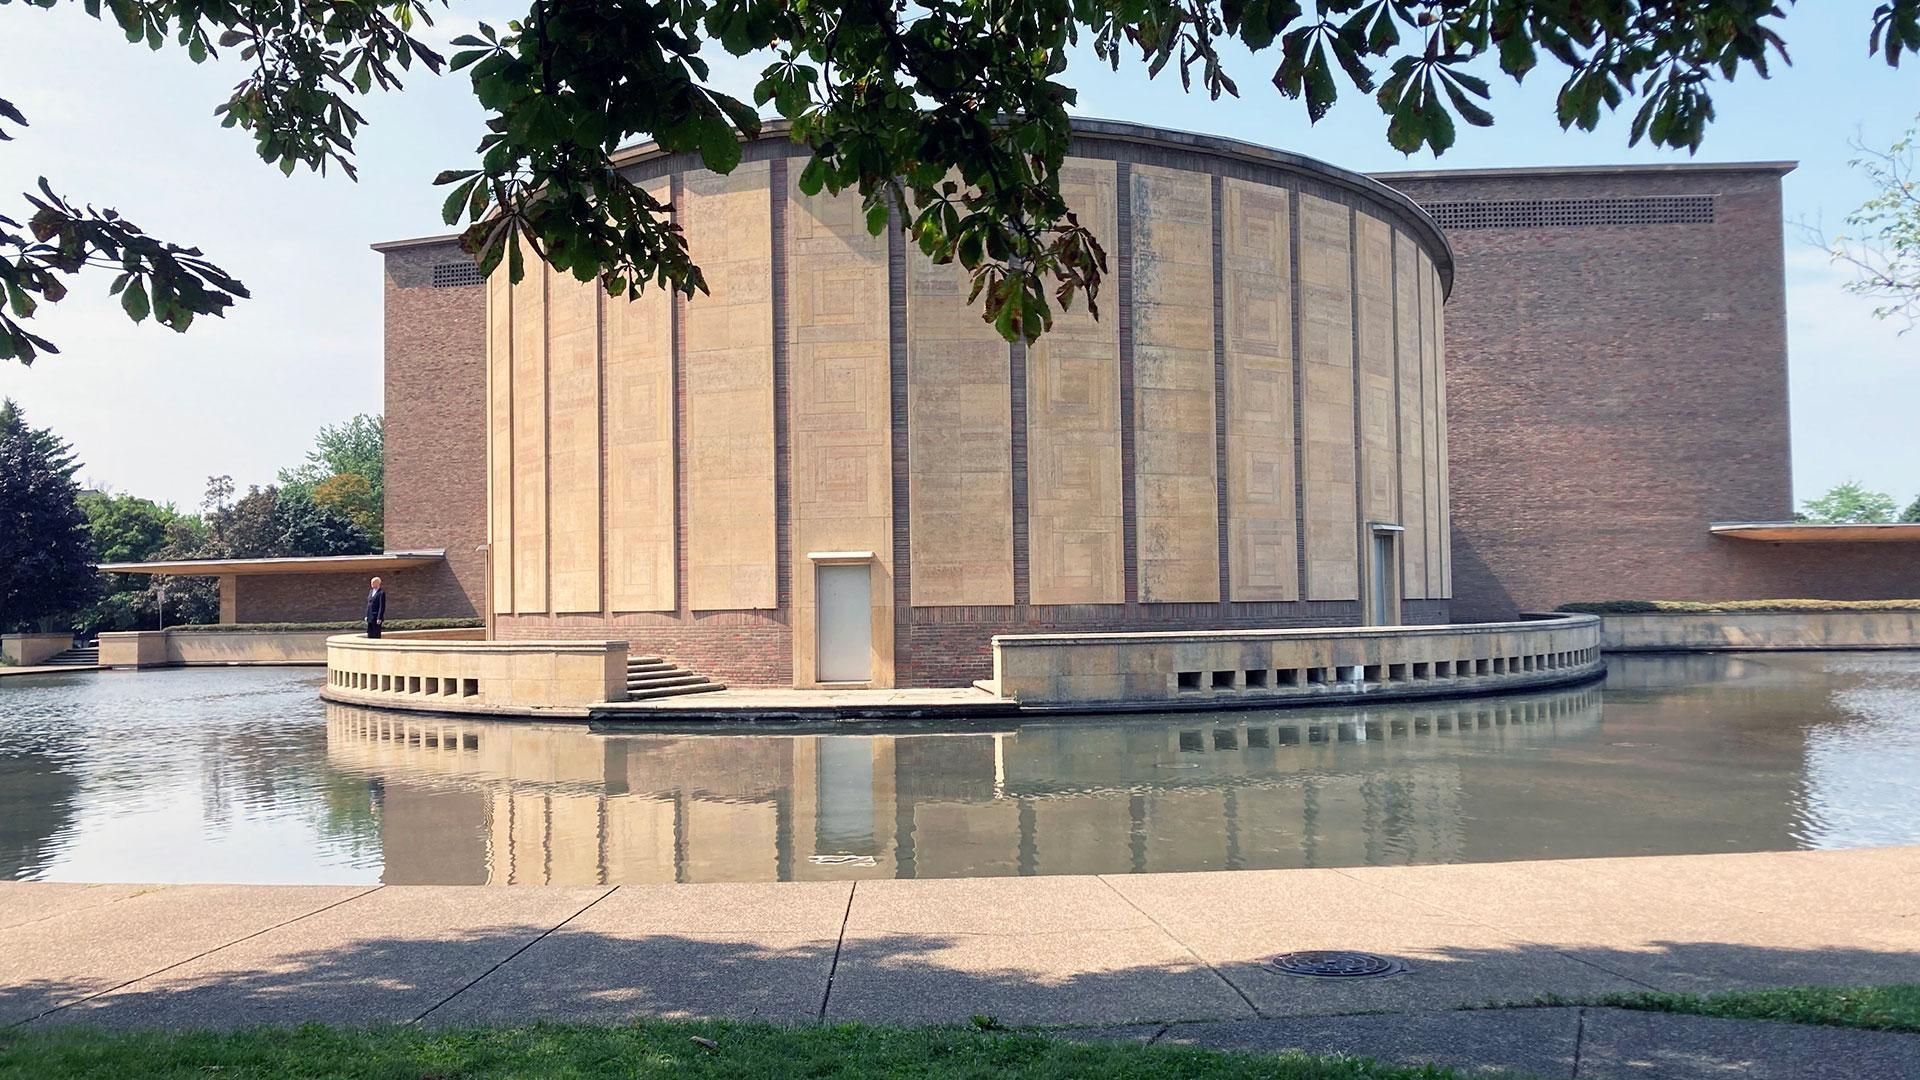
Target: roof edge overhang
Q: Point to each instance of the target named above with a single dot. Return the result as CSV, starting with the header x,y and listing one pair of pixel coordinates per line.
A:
x,y
1804,532
385,246
306,564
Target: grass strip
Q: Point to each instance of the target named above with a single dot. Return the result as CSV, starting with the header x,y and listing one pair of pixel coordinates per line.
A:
x,y
676,1049
1871,1008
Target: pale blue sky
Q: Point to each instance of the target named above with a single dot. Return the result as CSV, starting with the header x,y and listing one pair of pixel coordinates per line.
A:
x,y
155,413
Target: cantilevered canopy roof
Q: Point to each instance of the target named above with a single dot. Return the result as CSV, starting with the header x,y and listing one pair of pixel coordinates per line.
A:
x,y
1801,532
314,564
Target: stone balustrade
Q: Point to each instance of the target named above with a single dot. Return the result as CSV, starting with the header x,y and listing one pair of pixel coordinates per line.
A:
x,y
1216,668
509,677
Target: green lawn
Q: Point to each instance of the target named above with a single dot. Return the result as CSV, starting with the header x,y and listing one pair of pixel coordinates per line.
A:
x,y
645,1050
1879,1008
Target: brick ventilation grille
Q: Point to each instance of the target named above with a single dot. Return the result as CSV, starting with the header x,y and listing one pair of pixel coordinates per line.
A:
x,y
1574,213
453,275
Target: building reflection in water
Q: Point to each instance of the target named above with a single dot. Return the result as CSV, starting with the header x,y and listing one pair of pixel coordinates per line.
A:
x,y
465,801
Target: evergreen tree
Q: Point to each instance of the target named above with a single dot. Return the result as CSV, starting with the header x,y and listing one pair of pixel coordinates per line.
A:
x,y
45,560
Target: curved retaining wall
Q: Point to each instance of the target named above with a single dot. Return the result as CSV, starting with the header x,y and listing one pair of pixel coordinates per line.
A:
x,y
1227,668
508,677
1760,630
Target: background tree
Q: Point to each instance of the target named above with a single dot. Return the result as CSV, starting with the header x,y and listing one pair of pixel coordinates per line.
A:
x,y
45,570
1882,241
346,472
124,528
951,113
1849,504
1912,512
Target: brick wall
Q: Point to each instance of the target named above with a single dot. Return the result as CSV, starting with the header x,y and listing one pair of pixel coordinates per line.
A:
x,y
436,429
1613,389
417,593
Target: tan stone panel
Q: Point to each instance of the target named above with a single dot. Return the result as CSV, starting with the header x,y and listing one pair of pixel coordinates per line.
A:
x,y
1326,353
640,478
842,413
499,438
573,443
1430,421
729,377
530,439
1175,456
1257,267
1407,291
1074,505
1379,422
1440,412
960,443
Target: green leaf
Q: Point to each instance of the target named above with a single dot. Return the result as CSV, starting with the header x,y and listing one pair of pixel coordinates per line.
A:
x,y
134,300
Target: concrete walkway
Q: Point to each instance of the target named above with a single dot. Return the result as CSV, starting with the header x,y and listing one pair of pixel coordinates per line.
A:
x,y
1169,957
48,669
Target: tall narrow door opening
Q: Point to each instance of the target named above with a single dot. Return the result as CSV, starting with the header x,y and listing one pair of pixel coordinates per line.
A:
x,y
1383,584
844,617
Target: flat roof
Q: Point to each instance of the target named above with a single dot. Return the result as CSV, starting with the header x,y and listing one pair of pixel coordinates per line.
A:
x,y
1777,167
1804,532
307,564
416,241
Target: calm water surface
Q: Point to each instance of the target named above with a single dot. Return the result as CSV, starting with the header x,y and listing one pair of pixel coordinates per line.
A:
x,y
244,775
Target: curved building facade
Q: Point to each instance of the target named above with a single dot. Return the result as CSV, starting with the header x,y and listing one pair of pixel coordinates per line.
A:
x,y
831,471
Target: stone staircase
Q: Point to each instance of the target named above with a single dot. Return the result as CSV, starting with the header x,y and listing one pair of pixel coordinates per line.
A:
x,y
656,677
87,655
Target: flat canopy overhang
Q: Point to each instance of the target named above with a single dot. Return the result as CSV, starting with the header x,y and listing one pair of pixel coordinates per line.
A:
x,y
1802,532
313,564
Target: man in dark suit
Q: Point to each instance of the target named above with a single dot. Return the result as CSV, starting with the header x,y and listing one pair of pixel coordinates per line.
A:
x,y
376,608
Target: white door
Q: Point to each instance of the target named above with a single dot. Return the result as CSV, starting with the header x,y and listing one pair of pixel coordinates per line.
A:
x,y
845,615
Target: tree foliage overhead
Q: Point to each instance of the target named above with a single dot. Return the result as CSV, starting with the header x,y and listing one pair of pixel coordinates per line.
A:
x,y
45,564
951,115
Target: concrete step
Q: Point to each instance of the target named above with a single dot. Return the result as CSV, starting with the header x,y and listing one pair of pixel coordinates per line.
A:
x,y
684,678
636,669
74,658
632,660
702,687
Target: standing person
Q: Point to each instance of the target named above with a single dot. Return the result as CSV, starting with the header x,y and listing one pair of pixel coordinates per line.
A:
x,y
376,608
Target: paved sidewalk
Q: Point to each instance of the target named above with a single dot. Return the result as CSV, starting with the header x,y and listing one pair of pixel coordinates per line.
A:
x,y
49,669
1187,950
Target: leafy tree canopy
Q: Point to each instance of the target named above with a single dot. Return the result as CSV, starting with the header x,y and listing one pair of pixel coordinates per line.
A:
x,y
954,112
45,569
1849,504
125,528
346,472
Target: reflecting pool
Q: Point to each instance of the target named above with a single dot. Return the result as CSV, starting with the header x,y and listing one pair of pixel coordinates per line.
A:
x,y
244,775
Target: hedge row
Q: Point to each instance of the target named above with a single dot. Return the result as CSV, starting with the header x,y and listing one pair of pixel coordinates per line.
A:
x,y
287,627
1733,607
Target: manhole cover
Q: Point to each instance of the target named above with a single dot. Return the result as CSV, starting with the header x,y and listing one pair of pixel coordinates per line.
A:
x,y
1337,964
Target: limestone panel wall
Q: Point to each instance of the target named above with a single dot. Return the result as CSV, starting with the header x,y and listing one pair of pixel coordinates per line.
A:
x,y
960,443
1327,380
842,419
1408,308
731,531
529,382
573,443
640,518
1076,526
1175,458
1430,418
500,440
1442,498
1257,262
1264,380
1379,416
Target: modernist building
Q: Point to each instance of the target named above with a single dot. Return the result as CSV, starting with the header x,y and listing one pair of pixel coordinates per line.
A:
x,y
830,470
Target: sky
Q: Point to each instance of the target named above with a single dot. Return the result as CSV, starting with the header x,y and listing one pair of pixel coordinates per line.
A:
x,y
155,413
